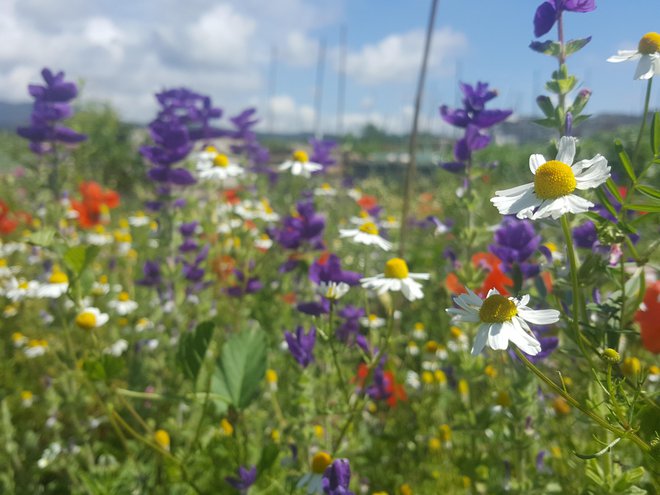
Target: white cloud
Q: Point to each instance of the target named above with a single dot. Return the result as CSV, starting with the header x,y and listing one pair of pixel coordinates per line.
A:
x,y
288,116
396,58
300,50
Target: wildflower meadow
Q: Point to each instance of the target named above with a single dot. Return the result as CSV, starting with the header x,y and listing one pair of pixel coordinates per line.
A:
x,y
192,307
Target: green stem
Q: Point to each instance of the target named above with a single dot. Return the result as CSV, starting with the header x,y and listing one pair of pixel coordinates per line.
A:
x,y
335,357
644,118
572,259
573,402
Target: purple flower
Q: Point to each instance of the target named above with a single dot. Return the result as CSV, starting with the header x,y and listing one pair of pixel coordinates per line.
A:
x,y
301,345
322,152
328,269
337,478
514,243
350,328
152,276
50,107
249,286
549,11
585,235
314,308
305,227
245,479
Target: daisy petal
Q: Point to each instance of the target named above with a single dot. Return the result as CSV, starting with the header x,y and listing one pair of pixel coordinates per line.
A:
x,y
566,152
535,161
644,68
539,316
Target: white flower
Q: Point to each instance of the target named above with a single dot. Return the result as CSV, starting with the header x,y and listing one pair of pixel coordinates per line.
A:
x,y
99,238
325,190
16,290
300,165
367,234
263,242
35,348
90,318
7,271
397,278
117,349
123,304
216,166
372,321
419,331
550,195
139,220
501,319
333,290
57,285
648,54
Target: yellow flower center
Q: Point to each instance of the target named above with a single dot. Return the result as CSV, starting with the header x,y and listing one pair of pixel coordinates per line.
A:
x,y
123,297
271,376
103,279
17,337
26,395
86,320
23,285
227,427
211,149
221,160
325,186
58,278
497,309
300,156
372,317
3,263
369,228
649,44
553,180
396,268
320,462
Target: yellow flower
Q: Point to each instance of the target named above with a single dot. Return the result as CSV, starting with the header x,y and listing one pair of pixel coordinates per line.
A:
x,y
427,377
440,377
631,366
434,443
271,377
226,427
490,371
463,388
560,406
162,438
320,462
405,489
445,433
275,436
319,432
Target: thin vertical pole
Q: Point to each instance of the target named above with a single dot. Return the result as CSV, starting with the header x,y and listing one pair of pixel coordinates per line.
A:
x,y
272,89
318,90
341,84
408,191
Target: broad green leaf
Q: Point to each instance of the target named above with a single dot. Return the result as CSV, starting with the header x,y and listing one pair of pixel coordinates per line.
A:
x,y
78,258
574,45
649,191
241,368
192,349
43,238
625,159
655,134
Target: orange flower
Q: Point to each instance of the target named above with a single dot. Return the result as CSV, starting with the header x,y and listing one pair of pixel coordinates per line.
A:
x,y
223,266
496,278
649,317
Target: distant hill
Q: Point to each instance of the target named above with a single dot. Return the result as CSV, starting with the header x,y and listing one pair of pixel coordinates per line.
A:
x,y
14,114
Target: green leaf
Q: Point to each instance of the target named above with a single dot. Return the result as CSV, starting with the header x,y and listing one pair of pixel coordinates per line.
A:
x,y
649,191
561,86
105,368
648,207
625,159
574,45
78,258
241,367
611,187
546,106
545,47
602,197
192,349
44,237
600,452
268,457
546,122
655,134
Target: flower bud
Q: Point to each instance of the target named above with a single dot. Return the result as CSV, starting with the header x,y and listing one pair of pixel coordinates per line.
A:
x,y
611,356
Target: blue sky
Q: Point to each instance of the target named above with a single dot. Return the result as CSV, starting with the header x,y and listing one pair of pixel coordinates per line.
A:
x,y
124,51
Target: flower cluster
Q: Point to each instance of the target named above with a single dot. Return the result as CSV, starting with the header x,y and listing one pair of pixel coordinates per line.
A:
x,y
51,106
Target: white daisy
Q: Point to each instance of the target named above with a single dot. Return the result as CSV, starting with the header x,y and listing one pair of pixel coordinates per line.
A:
x,y
123,304
550,195
57,285
325,190
397,278
90,318
7,271
300,165
139,219
501,319
372,321
216,166
117,349
366,234
17,290
333,290
35,348
648,54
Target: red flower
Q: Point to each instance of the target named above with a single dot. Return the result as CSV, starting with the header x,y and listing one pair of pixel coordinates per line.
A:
x,y
94,197
649,318
10,220
367,202
495,279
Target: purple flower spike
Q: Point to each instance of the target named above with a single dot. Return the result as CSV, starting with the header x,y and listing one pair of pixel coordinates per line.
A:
x,y
337,478
549,11
244,480
514,243
301,345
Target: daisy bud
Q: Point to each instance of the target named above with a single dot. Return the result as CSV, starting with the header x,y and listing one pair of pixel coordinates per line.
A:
x,y
162,438
611,356
320,462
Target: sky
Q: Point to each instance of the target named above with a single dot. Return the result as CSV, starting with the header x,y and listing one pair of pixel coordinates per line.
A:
x,y
265,53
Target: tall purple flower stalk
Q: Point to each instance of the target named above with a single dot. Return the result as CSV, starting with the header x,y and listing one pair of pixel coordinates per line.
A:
x,y
245,479
51,106
474,118
337,478
549,12
301,345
